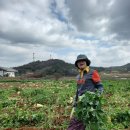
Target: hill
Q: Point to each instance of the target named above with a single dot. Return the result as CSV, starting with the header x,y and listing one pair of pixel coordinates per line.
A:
x,y
49,67
60,67
120,69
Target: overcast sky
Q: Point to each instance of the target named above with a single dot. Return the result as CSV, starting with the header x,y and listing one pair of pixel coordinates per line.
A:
x,y
63,29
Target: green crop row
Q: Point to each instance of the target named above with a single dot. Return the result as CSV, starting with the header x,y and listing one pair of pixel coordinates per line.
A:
x,y
47,104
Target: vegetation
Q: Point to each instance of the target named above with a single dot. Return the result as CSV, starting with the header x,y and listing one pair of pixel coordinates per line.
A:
x,y
56,67
90,110
49,67
47,104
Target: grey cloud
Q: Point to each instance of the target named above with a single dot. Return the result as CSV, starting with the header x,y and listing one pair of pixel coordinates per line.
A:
x,y
13,55
120,19
32,25
18,37
23,21
4,4
88,16
29,22
13,61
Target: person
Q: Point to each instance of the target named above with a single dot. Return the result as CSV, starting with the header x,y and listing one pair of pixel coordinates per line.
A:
x,y
87,80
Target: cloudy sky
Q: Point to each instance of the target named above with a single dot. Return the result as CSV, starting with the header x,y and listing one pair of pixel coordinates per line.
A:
x,y
63,29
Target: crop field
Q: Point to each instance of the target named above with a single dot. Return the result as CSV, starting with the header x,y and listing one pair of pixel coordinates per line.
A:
x,y
46,104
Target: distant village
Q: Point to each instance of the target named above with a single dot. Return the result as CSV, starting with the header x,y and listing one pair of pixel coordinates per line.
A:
x,y
7,72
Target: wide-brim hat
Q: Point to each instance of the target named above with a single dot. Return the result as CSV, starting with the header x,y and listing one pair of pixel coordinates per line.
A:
x,y
82,57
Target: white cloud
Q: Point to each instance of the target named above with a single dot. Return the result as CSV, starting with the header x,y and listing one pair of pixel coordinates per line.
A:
x,y
64,29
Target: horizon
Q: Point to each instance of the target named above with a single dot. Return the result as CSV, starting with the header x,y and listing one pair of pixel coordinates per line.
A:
x,y
64,29
61,60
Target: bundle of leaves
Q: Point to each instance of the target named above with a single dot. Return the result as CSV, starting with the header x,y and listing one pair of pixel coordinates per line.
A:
x,y
89,111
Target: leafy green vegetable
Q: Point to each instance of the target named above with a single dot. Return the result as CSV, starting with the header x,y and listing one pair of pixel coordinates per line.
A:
x,y
89,110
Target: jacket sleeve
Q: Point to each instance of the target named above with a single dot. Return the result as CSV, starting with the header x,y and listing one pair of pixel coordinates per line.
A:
x,y
96,79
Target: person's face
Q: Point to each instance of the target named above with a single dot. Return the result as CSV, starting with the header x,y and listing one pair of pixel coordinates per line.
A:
x,y
81,64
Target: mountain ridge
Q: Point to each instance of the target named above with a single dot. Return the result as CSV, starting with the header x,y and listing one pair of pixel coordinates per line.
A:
x,y
57,66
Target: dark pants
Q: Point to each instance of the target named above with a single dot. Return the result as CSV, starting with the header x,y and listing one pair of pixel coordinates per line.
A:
x,y
76,125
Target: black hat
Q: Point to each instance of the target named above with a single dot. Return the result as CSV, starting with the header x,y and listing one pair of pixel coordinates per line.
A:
x,y
82,57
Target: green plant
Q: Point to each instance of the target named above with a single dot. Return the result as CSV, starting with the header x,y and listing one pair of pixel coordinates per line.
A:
x,y
89,110
19,100
18,118
123,118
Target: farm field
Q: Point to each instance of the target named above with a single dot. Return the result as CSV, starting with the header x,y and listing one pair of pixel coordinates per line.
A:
x,y
46,104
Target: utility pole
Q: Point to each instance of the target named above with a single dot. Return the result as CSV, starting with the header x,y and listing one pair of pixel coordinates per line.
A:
x,y
50,57
33,57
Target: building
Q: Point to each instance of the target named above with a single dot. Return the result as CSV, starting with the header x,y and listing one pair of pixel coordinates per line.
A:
x,y
7,72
